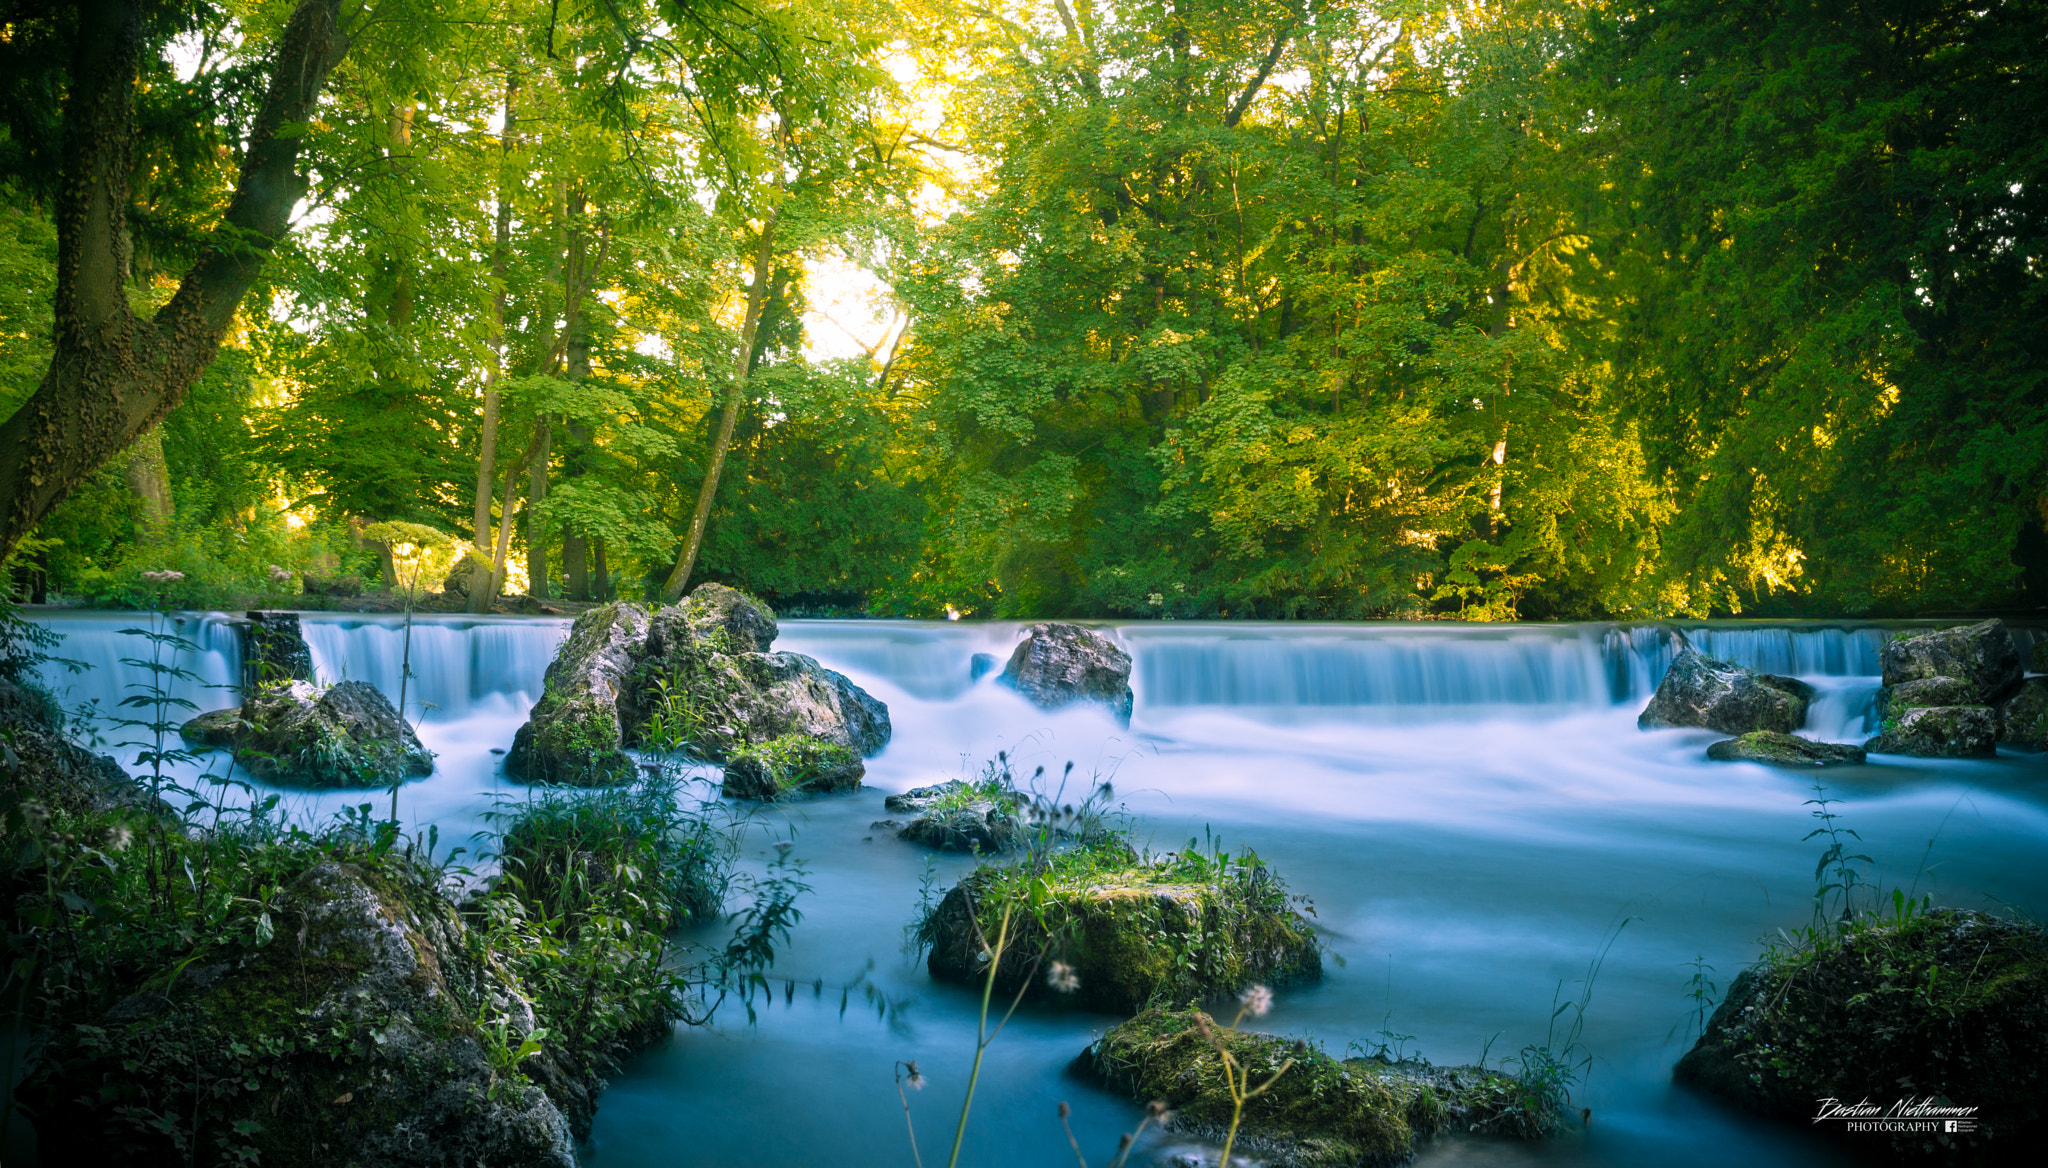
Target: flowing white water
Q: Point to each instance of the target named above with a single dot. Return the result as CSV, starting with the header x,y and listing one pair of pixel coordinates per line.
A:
x,y
1471,809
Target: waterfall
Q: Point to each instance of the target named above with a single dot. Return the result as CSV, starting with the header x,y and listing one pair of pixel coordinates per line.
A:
x,y
457,662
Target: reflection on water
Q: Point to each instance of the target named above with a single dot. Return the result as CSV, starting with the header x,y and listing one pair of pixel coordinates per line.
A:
x,y
1472,811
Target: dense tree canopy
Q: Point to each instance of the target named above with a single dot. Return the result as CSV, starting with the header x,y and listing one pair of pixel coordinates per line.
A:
x,y
1278,308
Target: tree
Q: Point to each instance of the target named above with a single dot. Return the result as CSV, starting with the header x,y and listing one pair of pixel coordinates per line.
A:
x,y
112,375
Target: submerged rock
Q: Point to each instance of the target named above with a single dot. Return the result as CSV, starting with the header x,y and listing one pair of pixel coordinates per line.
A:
x,y
273,650
1982,655
791,764
694,676
962,816
1940,732
2023,715
297,734
1787,750
365,1031
1127,931
1946,1006
980,665
1059,664
573,735
1320,1112
1699,691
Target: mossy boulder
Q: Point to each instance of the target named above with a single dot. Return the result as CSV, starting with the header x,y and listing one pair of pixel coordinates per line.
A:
x,y
366,1029
1785,750
1127,930
1940,732
2023,715
694,675
42,765
297,734
573,735
1059,664
1894,700
1700,691
1948,1006
1983,655
789,765
1321,1112
963,816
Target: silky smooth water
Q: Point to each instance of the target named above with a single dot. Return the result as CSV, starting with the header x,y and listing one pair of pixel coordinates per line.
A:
x,y
1471,810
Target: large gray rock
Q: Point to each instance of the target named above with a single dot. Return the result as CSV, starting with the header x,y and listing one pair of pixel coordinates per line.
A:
x,y
1940,732
1785,750
371,1014
694,675
1982,655
1059,664
2023,715
1699,691
1894,700
296,734
273,650
573,735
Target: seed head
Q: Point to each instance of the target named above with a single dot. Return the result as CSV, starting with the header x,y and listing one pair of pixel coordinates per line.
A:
x,y
1062,977
1257,1001
1065,1111
913,1076
118,838
1157,1112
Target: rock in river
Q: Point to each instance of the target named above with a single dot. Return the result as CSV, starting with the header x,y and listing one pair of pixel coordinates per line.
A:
x,y
963,816
1940,732
1982,655
791,764
1059,664
273,650
1717,695
1945,1006
696,675
297,734
2023,715
1786,750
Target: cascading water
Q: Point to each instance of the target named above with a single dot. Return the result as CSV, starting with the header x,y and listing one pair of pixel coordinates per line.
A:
x,y
1471,809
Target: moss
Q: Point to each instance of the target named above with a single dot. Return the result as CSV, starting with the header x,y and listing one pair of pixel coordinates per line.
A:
x,y
791,764
576,742
1321,1111
1946,1003
1133,930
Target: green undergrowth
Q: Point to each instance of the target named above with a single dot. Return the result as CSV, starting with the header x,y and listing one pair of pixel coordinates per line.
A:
x,y
1320,1110
1107,927
791,764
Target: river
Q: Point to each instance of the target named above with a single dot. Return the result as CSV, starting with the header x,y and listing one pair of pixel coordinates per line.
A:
x,y
1470,808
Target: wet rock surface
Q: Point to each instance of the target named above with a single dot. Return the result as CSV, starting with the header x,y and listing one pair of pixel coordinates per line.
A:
x,y
794,764
2023,715
696,674
352,1037
1785,750
1700,691
1894,700
273,649
1059,664
1982,656
1946,1005
1940,732
962,816
297,734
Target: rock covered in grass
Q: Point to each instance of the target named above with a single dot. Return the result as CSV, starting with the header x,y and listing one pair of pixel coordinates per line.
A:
x,y
1700,691
1948,1006
792,764
1893,701
1123,929
963,816
1786,750
1321,1112
1983,656
348,1036
298,734
1059,664
696,674
2023,715
573,735
1940,732
273,649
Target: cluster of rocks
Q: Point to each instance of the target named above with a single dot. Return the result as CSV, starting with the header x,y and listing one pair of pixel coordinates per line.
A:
x,y
960,816
697,676
1948,693
1957,693
292,732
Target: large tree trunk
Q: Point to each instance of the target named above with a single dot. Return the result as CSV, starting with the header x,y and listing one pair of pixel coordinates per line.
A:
x,y
111,376
757,301
484,575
